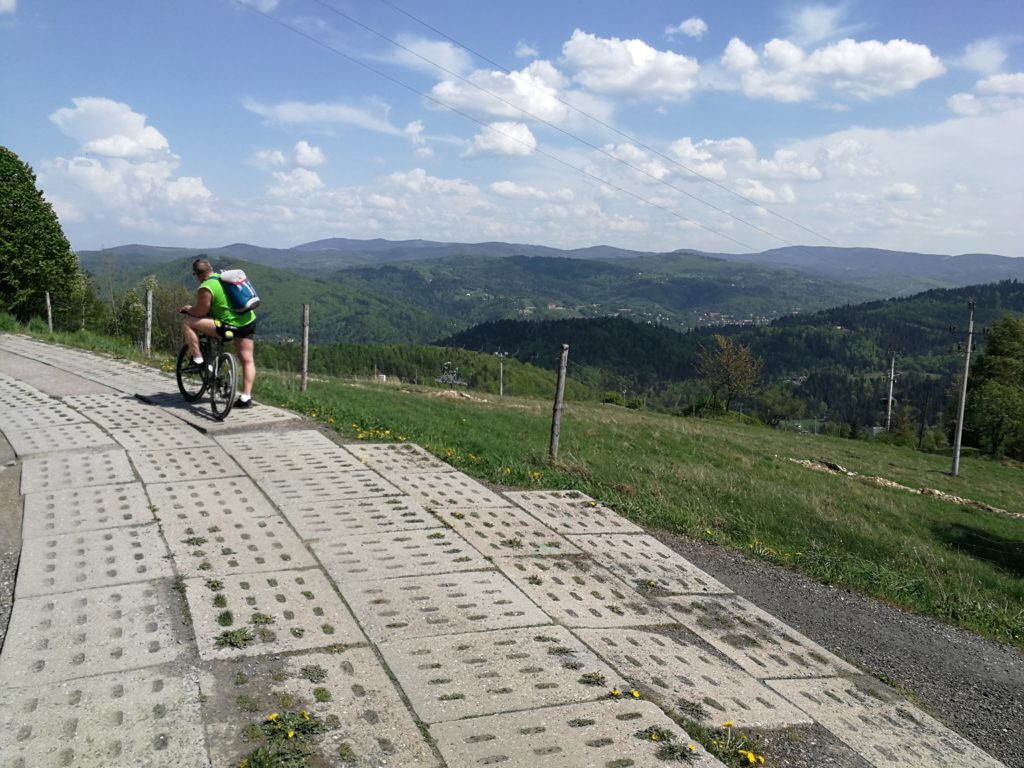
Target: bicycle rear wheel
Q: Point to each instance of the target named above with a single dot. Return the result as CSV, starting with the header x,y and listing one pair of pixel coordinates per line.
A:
x,y
191,385
224,385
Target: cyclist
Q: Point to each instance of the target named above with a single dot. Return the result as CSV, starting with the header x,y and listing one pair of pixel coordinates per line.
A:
x,y
212,315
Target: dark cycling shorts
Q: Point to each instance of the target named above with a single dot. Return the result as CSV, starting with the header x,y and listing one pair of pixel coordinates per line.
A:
x,y
227,331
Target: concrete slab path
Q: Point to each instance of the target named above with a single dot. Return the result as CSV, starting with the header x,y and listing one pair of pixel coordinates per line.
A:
x,y
186,585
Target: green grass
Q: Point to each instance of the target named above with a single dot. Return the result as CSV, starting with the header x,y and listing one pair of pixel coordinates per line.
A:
x,y
732,484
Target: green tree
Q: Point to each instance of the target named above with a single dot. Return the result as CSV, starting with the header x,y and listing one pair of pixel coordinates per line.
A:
x,y
35,257
995,412
777,403
730,368
994,419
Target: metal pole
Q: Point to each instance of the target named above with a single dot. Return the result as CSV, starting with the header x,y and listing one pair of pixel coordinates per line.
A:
x,y
556,413
49,313
963,396
305,348
892,375
147,342
501,372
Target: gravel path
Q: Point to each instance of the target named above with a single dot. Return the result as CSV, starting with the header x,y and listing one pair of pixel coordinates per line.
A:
x,y
974,686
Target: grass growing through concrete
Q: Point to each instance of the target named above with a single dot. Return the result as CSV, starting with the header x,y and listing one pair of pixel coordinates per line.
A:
x,y
732,484
725,482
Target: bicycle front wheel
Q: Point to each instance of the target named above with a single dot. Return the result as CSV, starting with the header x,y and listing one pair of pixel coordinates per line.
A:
x,y
224,385
191,385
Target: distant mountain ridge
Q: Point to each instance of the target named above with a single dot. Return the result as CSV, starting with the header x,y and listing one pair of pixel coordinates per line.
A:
x,y
891,272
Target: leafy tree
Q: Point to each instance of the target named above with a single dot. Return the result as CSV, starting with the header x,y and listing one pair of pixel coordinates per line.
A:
x,y
777,403
995,412
730,368
35,256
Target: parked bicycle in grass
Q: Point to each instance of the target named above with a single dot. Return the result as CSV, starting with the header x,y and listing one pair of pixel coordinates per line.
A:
x,y
212,316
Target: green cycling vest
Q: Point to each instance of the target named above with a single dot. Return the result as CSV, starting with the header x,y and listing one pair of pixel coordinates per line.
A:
x,y
220,308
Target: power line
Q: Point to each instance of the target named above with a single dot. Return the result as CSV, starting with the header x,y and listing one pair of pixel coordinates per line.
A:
x,y
549,124
479,122
610,127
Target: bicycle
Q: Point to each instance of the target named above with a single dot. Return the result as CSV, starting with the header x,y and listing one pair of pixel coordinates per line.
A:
x,y
219,375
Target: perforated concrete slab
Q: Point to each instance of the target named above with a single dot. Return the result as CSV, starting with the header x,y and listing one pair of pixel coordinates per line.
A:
x,y
350,692
200,414
398,458
330,519
287,452
68,437
689,679
75,470
447,490
761,644
84,509
110,402
481,673
586,735
277,611
123,412
391,554
572,512
73,561
579,593
424,606
884,732
507,531
184,464
645,563
235,545
91,632
125,720
316,487
195,502
167,437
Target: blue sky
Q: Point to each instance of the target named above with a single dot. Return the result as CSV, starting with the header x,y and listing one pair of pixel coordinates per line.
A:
x,y
721,126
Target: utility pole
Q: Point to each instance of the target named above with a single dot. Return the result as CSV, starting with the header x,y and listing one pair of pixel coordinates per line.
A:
x,y
501,372
963,394
892,376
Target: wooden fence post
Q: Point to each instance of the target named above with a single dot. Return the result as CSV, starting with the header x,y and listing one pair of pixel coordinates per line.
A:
x,y
556,413
49,313
147,342
305,347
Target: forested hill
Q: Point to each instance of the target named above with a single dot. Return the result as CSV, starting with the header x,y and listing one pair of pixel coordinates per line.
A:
x,y
835,360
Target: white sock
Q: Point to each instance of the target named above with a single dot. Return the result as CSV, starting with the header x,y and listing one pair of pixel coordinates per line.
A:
x,y
244,398
197,360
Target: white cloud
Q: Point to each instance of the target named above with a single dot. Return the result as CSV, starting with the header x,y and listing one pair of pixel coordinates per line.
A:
x,y
526,51
264,6
534,90
8,6
502,140
867,70
110,129
512,190
996,93
629,68
692,27
418,180
813,24
428,55
296,183
785,165
985,57
268,158
1003,84
308,156
124,170
900,191
322,113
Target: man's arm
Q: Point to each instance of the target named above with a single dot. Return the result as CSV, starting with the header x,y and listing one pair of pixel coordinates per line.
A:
x,y
202,306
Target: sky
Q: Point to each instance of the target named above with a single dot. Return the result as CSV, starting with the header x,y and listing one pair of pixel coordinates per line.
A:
x,y
653,125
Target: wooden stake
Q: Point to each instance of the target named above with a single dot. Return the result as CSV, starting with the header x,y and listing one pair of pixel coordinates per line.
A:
x,y
305,347
556,413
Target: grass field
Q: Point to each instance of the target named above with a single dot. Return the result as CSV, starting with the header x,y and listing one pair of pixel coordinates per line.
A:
x,y
729,483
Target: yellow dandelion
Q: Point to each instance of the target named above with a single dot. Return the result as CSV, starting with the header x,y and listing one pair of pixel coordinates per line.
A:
x,y
691,747
616,692
760,759
635,693
305,715
727,724
291,734
272,717
654,737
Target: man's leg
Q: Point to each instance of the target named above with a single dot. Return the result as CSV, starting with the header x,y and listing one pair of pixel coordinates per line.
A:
x,y
244,349
191,327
